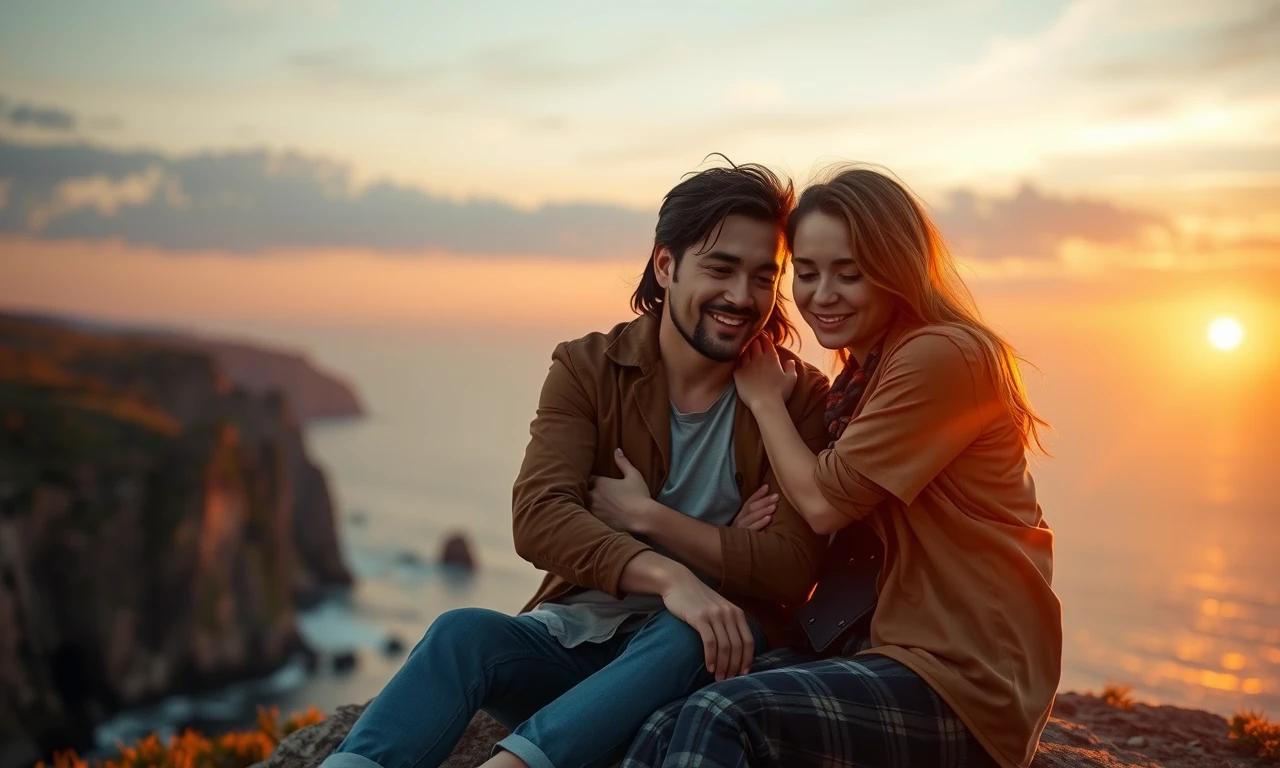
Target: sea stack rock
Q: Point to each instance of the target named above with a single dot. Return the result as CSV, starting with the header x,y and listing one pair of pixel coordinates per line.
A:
x,y
344,661
393,646
457,553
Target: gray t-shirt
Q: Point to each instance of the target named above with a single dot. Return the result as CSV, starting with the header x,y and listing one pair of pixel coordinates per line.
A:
x,y
700,484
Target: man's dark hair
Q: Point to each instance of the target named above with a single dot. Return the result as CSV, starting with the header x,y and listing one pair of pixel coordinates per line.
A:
x,y
695,208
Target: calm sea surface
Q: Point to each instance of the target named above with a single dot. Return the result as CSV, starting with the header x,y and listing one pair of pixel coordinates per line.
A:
x,y
1162,490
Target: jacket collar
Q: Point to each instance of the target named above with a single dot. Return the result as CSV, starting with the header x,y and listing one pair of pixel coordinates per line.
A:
x,y
637,344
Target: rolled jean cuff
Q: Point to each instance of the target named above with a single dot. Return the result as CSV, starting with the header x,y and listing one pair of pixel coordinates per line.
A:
x,y
522,748
348,760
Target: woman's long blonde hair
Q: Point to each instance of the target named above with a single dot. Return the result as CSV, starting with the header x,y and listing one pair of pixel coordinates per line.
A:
x,y
898,249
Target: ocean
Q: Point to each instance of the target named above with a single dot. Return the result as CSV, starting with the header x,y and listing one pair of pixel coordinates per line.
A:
x,y
1161,491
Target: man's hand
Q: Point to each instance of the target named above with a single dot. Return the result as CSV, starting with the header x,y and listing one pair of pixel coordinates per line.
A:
x,y
624,505
726,637
757,511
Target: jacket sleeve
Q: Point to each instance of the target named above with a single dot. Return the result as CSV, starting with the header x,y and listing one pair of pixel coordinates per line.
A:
x,y
781,562
926,411
550,522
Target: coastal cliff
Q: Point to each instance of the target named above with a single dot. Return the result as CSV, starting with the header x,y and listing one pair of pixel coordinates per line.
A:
x,y
158,525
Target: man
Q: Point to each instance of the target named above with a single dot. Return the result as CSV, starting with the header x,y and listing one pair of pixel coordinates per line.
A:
x,y
649,593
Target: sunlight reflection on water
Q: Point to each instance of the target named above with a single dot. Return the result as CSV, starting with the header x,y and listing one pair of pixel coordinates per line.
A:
x,y
1160,490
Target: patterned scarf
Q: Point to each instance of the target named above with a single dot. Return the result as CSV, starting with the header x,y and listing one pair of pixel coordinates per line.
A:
x,y
847,390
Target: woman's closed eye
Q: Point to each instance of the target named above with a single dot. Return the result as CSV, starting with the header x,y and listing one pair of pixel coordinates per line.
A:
x,y
850,278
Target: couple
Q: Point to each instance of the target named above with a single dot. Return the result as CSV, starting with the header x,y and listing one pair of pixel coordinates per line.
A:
x,y
662,586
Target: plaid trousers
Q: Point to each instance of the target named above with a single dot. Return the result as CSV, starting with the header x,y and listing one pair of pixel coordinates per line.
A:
x,y
797,710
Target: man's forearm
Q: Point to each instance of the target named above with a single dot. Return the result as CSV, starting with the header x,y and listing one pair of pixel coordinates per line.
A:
x,y
693,542
649,573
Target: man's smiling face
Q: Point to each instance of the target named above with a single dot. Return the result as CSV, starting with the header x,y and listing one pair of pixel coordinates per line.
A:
x,y
724,288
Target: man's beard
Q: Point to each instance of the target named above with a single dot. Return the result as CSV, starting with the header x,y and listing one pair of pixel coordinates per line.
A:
x,y
703,343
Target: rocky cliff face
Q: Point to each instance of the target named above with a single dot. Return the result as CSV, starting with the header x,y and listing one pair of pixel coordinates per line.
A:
x,y
157,527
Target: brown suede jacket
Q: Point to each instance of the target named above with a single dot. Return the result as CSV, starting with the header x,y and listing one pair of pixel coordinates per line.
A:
x,y
606,391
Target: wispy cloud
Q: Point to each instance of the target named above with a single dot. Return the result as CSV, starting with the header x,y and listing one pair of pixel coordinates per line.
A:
x,y
318,7
357,67
1244,39
25,117
103,195
1031,224
255,201
38,117
518,65
1136,49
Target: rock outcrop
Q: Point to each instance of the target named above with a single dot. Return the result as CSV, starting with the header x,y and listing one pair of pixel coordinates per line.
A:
x,y
1177,738
313,393
1168,736
157,526
456,553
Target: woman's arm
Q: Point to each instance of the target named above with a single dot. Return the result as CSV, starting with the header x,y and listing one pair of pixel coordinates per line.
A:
x,y
794,465
762,383
926,409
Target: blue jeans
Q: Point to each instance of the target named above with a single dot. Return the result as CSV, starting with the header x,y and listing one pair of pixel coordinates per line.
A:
x,y
566,707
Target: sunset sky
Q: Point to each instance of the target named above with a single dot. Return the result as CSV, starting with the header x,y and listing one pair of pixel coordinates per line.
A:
x,y
340,160
426,196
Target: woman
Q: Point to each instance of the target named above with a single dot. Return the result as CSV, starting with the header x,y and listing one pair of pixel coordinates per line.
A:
x,y
930,427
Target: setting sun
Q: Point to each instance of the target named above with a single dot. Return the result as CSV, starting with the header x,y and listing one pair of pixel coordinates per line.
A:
x,y
1225,333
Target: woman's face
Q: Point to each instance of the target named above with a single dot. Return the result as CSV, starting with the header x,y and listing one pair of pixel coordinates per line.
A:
x,y
844,310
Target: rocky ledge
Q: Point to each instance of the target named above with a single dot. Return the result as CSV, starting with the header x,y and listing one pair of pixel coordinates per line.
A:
x,y
1085,732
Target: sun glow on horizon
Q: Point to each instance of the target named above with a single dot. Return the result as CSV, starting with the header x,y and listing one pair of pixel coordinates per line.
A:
x,y
1225,333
